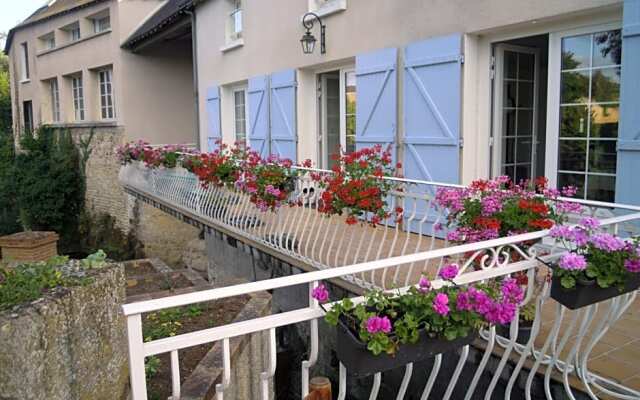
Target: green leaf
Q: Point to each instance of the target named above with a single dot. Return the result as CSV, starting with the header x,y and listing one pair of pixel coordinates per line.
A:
x,y
568,282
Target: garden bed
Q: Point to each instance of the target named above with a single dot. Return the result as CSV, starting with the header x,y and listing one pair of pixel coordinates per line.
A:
x,y
178,321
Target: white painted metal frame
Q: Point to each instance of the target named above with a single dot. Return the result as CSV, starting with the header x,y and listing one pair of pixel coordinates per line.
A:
x,y
228,209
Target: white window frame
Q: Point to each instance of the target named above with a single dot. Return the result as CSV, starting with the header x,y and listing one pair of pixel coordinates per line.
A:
x,y
497,136
105,82
235,21
77,91
99,24
25,72
75,34
322,137
54,91
235,90
553,93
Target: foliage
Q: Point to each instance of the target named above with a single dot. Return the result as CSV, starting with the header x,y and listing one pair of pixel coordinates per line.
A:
x,y
152,366
28,282
167,156
49,185
384,321
8,206
99,231
220,168
596,255
5,96
357,186
499,208
267,182
167,323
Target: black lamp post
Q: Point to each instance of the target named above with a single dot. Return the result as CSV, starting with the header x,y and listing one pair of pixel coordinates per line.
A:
x,y
308,41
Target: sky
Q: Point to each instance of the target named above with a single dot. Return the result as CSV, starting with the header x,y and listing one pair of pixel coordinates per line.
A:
x,y
13,12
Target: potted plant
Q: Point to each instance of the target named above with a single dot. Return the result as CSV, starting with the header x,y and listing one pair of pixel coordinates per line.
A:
x,y
221,168
357,186
388,330
267,182
597,267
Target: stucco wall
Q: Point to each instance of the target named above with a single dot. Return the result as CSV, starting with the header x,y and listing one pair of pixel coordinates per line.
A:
x,y
272,29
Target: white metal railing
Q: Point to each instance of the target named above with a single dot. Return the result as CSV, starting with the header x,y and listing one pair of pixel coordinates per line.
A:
x,y
565,351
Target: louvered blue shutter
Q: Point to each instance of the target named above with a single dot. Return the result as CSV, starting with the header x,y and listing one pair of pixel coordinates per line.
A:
x,y
283,114
376,110
258,92
627,188
213,118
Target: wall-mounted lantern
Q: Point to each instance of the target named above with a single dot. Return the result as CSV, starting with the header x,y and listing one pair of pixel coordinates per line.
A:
x,y
308,41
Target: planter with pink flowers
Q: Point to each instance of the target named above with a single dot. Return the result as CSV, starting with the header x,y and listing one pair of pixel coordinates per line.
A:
x,y
389,330
600,266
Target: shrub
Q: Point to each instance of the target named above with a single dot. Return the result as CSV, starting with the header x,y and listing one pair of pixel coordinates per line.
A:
x,y
100,232
8,207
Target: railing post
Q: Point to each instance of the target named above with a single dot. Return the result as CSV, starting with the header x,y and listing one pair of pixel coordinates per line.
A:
x,y
136,357
313,353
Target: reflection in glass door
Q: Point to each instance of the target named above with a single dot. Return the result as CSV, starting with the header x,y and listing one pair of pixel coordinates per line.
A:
x,y
515,108
589,113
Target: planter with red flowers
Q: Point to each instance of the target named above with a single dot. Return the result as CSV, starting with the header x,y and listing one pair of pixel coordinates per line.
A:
x,y
357,186
387,330
221,168
600,266
269,183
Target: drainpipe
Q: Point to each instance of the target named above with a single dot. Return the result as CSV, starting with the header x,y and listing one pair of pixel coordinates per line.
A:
x,y
194,56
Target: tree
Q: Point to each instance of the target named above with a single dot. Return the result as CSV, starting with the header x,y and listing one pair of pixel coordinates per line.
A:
x,y
5,92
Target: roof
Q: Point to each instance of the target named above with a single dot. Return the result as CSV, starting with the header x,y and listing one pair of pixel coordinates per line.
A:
x,y
168,15
46,12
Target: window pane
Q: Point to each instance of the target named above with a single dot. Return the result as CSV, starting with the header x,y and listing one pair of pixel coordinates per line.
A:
x,y
602,156
601,188
573,121
606,85
509,94
604,120
572,155
523,153
523,172
510,172
509,122
526,66
574,87
525,94
575,52
607,48
508,150
510,65
525,123
576,180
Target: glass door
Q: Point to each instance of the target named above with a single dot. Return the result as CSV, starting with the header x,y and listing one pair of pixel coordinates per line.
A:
x,y
515,112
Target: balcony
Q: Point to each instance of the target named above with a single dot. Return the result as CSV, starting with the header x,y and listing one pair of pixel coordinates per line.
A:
x,y
560,350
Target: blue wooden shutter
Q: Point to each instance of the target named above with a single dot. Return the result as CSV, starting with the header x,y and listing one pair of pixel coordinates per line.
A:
x,y
213,118
432,103
259,114
376,109
283,114
627,188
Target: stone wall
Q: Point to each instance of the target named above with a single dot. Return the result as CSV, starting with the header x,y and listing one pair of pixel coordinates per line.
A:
x,y
68,345
163,236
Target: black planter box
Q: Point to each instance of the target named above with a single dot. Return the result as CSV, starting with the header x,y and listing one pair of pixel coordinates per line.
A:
x,y
582,295
524,332
359,361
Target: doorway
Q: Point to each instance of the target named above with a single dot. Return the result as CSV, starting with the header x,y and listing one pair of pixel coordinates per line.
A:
x,y
336,114
519,108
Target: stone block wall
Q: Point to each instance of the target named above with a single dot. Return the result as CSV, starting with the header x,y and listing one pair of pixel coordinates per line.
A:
x,y
71,344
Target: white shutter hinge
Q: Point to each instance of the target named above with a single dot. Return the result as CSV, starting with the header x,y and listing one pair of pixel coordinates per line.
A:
x,y
461,58
490,141
461,141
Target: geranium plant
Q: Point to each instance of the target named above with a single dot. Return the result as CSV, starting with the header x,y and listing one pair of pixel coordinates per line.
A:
x,y
130,152
595,256
167,156
221,168
357,186
385,321
268,182
489,209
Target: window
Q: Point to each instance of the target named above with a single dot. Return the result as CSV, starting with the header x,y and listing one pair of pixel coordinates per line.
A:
x,y
589,113
27,111
107,109
101,24
337,114
25,61
240,116
74,33
235,22
78,97
48,41
55,100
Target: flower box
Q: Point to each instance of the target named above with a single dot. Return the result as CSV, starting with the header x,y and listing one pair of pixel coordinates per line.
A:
x,y
359,361
585,295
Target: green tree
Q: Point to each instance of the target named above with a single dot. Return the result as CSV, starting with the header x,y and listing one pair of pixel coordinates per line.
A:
x,y
5,93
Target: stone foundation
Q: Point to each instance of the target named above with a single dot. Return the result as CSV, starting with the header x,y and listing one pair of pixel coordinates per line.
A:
x,y
71,344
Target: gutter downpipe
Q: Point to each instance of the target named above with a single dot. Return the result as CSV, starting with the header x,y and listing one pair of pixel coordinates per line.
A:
x,y
196,90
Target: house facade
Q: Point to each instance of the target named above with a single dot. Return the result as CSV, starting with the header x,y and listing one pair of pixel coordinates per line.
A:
x,y
460,89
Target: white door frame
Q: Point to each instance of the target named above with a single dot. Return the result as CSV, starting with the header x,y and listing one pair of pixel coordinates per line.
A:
x,y
497,105
553,93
